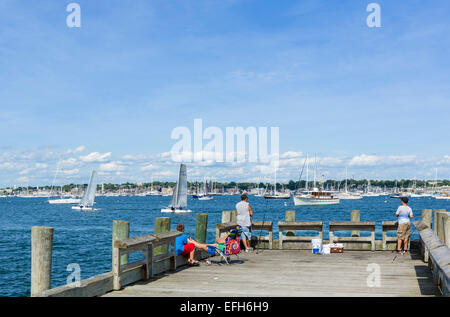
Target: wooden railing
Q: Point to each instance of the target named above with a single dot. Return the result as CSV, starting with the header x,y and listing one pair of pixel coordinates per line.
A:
x,y
222,228
299,226
348,226
437,255
146,245
267,226
387,226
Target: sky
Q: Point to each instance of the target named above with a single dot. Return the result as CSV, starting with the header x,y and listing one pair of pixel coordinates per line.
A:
x,y
108,95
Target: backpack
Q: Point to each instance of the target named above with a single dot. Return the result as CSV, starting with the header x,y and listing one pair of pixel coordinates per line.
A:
x,y
233,242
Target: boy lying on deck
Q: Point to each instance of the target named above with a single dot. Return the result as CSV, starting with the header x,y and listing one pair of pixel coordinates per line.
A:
x,y
186,246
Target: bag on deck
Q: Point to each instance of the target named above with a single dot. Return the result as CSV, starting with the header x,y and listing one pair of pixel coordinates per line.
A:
x,y
233,242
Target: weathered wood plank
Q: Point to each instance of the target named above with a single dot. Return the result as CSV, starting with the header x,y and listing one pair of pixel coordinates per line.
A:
x,y
300,274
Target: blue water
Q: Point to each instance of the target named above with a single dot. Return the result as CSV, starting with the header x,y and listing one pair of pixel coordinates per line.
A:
x,y
85,237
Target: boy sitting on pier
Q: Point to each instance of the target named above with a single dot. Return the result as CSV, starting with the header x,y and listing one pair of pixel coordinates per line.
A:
x,y
186,246
404,213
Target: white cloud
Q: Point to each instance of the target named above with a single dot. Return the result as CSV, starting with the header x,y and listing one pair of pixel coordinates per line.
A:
x,y
71,172
7,165
148,167
68,162
96,157
24,172
77,150
41,165
111,167
290,155
164,174
23,179
373,160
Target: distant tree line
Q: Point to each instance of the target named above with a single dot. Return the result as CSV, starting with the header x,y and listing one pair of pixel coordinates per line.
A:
x,y
291,185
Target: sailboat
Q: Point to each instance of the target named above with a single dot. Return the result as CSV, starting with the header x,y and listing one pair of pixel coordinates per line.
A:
x,y
73,200
369,192
346,195
204,195
179,196
316,197
87,201
275,194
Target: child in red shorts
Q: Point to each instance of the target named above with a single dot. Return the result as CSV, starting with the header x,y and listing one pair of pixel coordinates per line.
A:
x,y
186,246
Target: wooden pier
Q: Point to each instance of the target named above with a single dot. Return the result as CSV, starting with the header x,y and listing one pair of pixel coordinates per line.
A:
x,y
293,273
275,268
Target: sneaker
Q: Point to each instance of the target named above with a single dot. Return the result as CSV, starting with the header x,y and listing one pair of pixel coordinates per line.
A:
x,y
249,249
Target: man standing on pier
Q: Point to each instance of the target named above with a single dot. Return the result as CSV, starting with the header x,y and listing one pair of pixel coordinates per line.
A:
x,y
243,213
404,213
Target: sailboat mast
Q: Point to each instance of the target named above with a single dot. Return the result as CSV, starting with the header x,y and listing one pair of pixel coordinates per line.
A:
x,y
315,165
346,177
275,184
307,173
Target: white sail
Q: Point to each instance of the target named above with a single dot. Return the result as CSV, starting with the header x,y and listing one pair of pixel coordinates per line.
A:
x,y
179,197
89,195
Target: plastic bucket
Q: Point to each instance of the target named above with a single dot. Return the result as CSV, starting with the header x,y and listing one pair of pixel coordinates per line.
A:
x,y
316,246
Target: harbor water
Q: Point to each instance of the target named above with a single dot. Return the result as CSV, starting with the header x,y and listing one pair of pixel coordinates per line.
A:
x,y
84,238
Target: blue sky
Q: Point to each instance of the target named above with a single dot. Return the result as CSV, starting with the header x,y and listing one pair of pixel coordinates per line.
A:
x,y
375,99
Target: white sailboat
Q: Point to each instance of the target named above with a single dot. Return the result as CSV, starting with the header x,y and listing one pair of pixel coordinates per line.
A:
x,y
315,197
346,195
87,201
73,200
179,196
204,195
275,194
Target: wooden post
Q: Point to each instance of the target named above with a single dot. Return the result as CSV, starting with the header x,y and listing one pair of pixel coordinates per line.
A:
x,y
290,217
228,216
427,215
446,225
41,259
435,220
121,230
439,223
355,216
200,227
162,224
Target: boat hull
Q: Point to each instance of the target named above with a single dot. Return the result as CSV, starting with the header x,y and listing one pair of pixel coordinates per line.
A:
x,y
349,197
178,211
277,197
310,201
83,208
64,201
442,197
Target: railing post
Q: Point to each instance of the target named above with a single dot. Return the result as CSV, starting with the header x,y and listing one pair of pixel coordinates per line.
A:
x,y
435,220
355,216
427,215
446,225
41,259
162,224
121,231
201,227
440,224
290,217
228,216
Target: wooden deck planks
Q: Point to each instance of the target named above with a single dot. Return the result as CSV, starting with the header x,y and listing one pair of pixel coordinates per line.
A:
x,y
293,273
